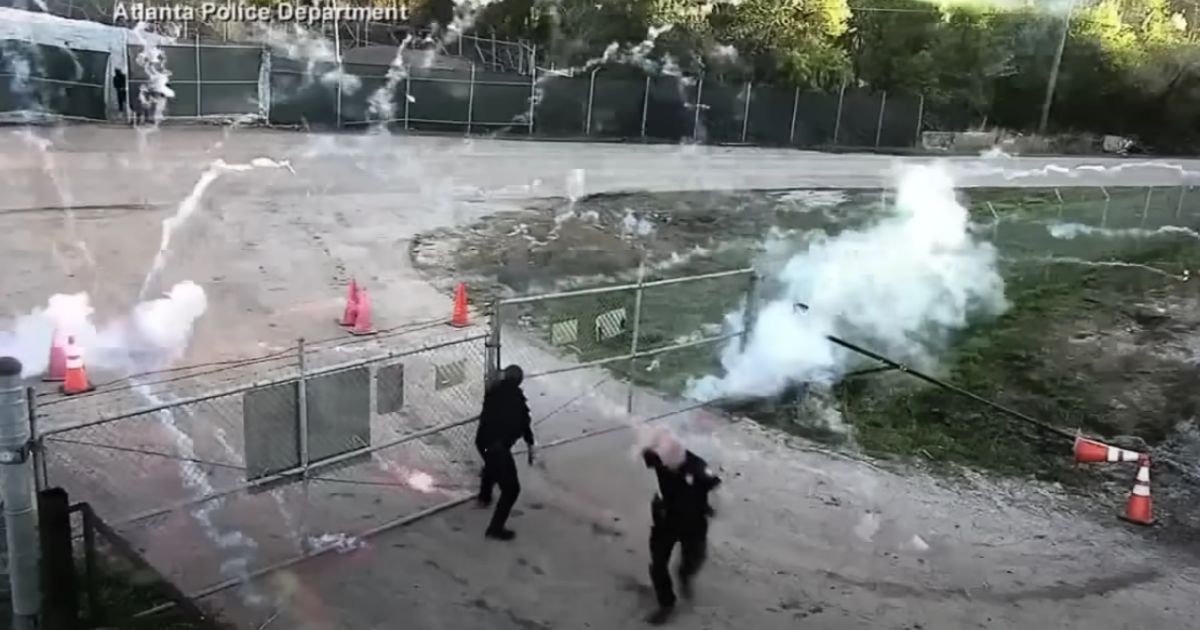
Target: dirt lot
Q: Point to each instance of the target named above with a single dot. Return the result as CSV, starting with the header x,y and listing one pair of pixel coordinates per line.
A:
x,y
803,535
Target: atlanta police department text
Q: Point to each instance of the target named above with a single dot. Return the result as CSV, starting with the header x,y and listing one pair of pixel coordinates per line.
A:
x,y
239,12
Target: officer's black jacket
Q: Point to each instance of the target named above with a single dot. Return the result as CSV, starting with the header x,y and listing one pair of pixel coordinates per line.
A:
x,y
504,418
684,491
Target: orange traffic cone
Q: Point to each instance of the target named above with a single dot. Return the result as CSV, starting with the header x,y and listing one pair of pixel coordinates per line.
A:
x,y
351,309
1138,508
75,381
362,315
1090,452
460,318
56,371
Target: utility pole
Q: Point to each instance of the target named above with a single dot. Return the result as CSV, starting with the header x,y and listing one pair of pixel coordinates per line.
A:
x,y
1052,83
16,490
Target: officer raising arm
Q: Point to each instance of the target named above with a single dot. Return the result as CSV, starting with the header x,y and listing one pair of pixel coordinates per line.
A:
x,y
503,420
680,514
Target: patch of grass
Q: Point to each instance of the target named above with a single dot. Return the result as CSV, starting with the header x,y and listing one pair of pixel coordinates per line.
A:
x,y
1011,360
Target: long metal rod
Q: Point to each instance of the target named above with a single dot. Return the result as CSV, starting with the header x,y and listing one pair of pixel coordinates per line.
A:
x,y
471,100
795,108
954,388
746,111
920,119
645,104
199,83
624,287
879,121
587,123
1179,206
696,115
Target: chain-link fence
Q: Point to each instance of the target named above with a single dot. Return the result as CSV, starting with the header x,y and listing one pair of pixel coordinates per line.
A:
x,y
615,356
250,81
214,488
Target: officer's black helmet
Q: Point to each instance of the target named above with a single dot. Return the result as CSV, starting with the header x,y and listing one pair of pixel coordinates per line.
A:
x,y
514,374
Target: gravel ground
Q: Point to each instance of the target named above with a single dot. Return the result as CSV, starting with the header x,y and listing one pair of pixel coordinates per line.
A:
x,y
804,537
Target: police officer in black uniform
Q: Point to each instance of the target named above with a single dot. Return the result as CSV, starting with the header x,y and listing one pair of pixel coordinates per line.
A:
x,y
680,513
504,419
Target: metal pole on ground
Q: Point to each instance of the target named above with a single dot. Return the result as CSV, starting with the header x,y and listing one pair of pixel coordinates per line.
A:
x,y
491,359
1146,206
837,121
16,490
746,111
633,342
879,121
696,116
1179,206
471,100
795,107
645,105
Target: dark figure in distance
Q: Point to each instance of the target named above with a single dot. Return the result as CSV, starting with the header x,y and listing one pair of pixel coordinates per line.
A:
x,y
121,87
504,419
680,513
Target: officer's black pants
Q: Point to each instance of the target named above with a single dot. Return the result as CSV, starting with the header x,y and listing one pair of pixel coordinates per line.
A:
x,y
692,536
499,469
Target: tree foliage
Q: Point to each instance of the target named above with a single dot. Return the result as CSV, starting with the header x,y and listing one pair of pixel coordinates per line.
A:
x,y
1128,66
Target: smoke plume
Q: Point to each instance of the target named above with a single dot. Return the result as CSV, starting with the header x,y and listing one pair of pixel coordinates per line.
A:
x,y
900,286
152,336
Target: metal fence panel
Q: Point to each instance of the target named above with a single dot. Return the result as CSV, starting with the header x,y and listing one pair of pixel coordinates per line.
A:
x,y
562,106
771,110
721,111
617,106
670,110
180,61
441,100
298,94
816,119
389,388
272,432
38,77
900,120
339,412
860,118
501,100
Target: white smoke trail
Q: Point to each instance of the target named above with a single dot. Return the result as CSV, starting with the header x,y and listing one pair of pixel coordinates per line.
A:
x,y
152,336
899,286
191,203
154,94
1070,231
381,105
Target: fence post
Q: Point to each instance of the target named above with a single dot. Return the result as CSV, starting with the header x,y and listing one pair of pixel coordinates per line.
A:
x,y
920,119
633,342
264,84
750,313
337,52
837,122
696,115
471,100
879,122
407,97
198,82
532,97
37,451
16,490
645,105
587,124
491,359
746,111
795,107
302,429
